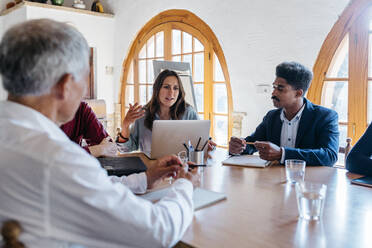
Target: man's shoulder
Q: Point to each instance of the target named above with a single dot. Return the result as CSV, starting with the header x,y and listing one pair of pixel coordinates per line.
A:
x,y
273,113
321,110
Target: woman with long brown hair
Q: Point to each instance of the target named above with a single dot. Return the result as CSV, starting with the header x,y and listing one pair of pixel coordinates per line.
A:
x,y
167,103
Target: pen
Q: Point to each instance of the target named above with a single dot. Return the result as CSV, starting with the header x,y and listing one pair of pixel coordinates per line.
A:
x,y
248,143
191,149
197,145
186,147
197,165
206,142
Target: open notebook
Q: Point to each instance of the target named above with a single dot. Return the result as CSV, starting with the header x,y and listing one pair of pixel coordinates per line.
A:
x,y
246,160
202,197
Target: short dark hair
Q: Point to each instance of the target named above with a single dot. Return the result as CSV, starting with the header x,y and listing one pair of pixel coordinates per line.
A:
x,y
296,75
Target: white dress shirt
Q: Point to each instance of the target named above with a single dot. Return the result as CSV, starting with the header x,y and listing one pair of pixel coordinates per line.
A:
x,y
289,131
63,198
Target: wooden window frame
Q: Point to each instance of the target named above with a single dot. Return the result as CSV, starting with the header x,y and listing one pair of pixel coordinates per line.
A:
x,y
352,22
190,23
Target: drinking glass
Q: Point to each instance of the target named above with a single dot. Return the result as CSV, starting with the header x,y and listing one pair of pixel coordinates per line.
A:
x,y
184,159
310,199
295,170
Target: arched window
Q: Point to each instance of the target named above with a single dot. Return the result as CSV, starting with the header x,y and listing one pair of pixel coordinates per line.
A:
x,y
343,70
179,35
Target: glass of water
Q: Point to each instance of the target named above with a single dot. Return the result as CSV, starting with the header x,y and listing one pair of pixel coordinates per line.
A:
x,y
310,199
295,170
184,159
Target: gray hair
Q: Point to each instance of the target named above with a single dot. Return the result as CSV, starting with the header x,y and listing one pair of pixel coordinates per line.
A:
x,y
34,55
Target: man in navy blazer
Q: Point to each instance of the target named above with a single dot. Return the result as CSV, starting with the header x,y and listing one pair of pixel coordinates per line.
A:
x,y
297,129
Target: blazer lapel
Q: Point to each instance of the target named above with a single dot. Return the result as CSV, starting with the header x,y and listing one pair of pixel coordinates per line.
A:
x,y
305,122
276,128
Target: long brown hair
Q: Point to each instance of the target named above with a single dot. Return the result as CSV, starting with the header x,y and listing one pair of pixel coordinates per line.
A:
x,y
153,106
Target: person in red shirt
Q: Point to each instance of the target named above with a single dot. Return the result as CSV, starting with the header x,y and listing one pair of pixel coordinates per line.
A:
x,y
85,125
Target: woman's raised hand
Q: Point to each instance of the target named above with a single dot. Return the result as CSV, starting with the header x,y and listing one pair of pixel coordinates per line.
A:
x,y
135,112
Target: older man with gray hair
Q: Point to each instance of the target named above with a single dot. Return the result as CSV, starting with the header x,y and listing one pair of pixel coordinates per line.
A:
x,y
56,190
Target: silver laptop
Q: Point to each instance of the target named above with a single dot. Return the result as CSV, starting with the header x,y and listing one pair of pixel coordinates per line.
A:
x,y
168,136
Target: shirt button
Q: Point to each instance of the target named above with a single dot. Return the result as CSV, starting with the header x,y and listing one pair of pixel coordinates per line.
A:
x,y
289,123
289,139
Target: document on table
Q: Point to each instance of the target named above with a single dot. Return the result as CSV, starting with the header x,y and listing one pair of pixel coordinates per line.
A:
x,y
202,197
246,160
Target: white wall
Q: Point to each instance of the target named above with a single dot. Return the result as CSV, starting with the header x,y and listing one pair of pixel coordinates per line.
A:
x,y
99,32
255,36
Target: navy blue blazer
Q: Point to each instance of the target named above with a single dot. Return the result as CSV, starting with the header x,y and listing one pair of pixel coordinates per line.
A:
x,y
317,135
359,159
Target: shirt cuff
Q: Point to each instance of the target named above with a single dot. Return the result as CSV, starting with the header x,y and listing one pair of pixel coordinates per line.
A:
x,y
184,183
283,155
137,183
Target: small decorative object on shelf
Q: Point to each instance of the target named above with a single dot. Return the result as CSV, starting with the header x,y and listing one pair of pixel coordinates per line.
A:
x,y
97,6
79,4
12,4
57,2
39,1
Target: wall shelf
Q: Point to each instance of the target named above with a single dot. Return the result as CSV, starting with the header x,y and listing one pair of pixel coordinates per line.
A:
x,y
50,6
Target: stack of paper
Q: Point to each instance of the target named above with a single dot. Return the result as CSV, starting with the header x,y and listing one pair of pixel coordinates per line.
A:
x,y
246,160
201,198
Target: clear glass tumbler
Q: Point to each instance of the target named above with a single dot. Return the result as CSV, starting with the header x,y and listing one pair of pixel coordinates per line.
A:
x,y
295,170
310,199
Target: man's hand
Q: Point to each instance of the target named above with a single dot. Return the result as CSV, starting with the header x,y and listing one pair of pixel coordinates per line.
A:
x,y
236,145
268,151
163,167
211,147
105,148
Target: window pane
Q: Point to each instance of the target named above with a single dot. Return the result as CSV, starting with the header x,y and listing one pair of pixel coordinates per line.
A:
x,y
149,92
130,78
217,72
129,95
151,47
335,96
176,58
343,135
199,67
220,98
198,47
142,96
369,107
176,41
342,141
188,58
142,53
187,43
150,72
199,95
142,71
160,44
201,116
220,130
340,62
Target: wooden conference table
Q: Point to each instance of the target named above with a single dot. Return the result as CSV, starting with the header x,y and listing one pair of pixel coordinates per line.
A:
x,y
261,211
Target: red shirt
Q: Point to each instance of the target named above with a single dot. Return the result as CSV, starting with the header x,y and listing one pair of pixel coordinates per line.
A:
x,y
85,125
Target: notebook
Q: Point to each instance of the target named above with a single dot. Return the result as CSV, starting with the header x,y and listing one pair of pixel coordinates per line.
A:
x,y
246,160
364,181
202,197
122,166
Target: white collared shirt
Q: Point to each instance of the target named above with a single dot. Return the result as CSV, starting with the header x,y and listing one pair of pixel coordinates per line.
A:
x,y
63,198
289,131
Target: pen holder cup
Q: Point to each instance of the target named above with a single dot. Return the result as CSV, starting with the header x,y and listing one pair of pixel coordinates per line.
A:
x,y
197,157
